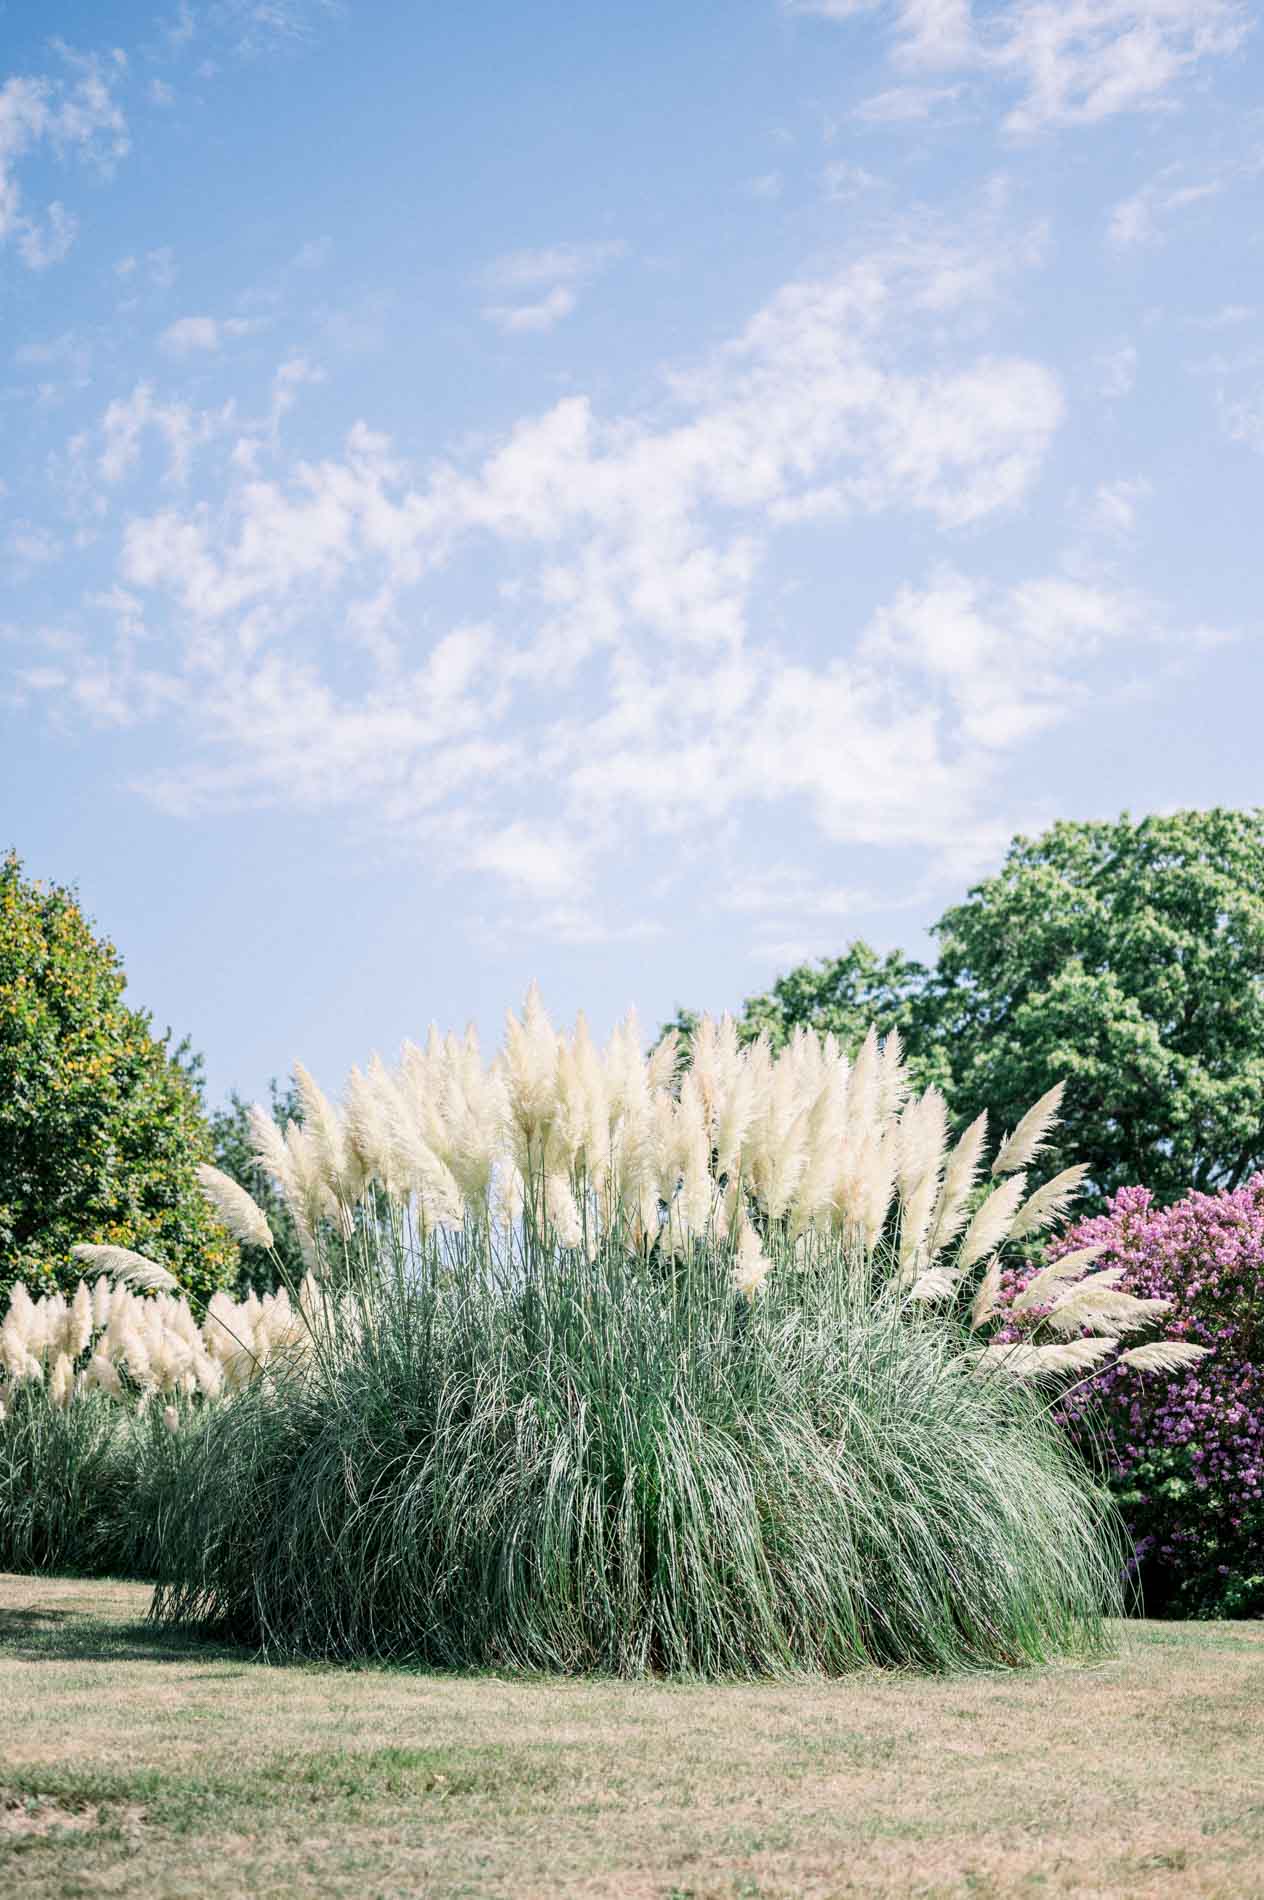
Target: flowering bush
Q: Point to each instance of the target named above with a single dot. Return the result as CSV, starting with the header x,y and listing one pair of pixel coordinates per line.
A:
x,y
1186,1448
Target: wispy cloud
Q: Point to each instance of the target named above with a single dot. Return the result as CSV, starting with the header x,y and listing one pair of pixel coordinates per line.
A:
x,y
555,274
907,105
190,336
76,115
1064,62
636,544
1117,370
1139,220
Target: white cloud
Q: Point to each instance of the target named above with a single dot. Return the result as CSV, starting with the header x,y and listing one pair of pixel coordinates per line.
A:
x,y
558,271
78,116
1117,371
314,254
1069,62
625,674
1228,317
906,105
183,429
543,315
843,182
191,334
1138,220
1116,504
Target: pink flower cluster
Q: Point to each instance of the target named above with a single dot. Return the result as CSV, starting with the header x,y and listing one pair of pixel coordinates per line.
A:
x,y
1186,1450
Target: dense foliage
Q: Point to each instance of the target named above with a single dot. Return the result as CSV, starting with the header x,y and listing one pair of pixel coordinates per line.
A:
x,y
100,1124
1126,957
1186,1449
846,996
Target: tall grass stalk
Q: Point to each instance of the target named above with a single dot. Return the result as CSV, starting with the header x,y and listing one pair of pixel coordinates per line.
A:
x,y
536,1459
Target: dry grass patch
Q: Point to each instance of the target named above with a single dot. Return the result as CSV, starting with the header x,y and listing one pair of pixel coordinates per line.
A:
x,y
148,1763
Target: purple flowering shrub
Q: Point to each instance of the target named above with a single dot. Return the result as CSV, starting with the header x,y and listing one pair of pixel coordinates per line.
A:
x,y
1185,1450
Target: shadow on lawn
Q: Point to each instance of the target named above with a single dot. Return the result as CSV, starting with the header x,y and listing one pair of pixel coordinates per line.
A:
x,y
57,1635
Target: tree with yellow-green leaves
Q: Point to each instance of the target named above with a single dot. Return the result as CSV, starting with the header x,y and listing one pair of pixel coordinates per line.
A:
x,y
101,1126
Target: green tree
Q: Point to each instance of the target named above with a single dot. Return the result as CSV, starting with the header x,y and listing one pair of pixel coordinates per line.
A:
x,y
845,996
233,1149
1129,958
849,994
101,1127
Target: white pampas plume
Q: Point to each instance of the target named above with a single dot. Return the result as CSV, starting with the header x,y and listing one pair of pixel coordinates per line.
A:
x,y
79,1331
1022,1361
960,1172
893,1082
103,1372
1164,1355
991,1224
132,1268
937,1283
751,1267
1103,1309
563,1214
270,1151
1046,1283
136,1356
1031,1132
171,1418
1049,1203
61,1380
326,1135
101,1294
661,1065
987,1297
239,1212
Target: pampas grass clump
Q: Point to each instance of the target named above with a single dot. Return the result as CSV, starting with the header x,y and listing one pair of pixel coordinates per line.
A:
x,y
603,1470
632,1364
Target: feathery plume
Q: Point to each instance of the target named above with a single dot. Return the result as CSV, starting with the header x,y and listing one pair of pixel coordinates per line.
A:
x,y
1103,1308
1046,1283
239,1212
960,1172
146,1276
991,1223
1049,1203
987,1296
751,1267
1031,1132
80,1328
1163,1355
270,1151
1022,1361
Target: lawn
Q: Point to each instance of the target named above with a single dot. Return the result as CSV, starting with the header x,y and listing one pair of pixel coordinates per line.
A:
x,y
133,1762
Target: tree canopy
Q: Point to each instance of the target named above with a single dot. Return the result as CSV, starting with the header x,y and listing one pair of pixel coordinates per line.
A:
x,y
1129,958
101,1126
848,995
1125,956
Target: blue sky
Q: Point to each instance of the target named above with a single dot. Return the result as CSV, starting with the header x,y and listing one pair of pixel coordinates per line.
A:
x,y
628,495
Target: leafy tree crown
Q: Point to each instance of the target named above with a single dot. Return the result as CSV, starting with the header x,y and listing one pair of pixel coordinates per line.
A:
x,y
101,1127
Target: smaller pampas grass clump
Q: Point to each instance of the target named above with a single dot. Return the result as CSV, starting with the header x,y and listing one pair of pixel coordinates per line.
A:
x,y
85,1384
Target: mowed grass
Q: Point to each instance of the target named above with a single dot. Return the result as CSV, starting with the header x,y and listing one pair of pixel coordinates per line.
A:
x,y
141,1763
